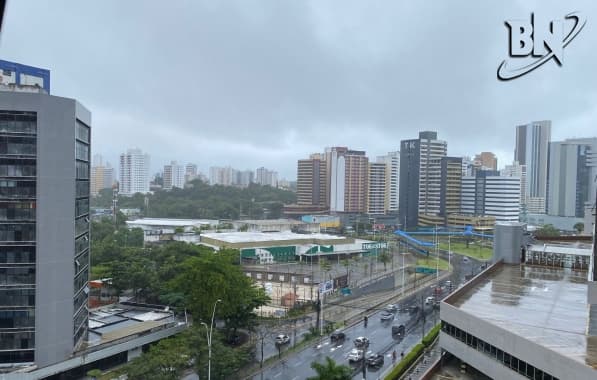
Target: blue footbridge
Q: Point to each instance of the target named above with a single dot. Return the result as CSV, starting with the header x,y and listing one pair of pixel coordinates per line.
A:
x,y
423,247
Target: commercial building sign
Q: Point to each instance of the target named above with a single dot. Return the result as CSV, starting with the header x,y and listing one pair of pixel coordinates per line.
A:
x,y
381,244
326,287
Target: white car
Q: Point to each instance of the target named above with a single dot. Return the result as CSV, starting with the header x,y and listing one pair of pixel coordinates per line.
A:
x,y
282,339
361,342
355,355
429,300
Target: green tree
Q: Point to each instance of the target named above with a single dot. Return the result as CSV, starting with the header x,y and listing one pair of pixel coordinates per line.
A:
x,y
330,371
215,275
165,360
579,227
548,230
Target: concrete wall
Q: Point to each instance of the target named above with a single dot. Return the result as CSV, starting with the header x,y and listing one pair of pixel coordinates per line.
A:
x,y
478,360
539,356
55,230
507,242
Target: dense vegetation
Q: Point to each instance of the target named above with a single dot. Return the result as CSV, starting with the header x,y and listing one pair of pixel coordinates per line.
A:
x,y
205,201
189,278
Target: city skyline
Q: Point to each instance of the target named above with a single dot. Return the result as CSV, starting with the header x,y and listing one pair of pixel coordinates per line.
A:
x,y
331,89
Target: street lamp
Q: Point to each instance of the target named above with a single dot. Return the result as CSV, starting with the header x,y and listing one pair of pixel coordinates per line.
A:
x,y
208,333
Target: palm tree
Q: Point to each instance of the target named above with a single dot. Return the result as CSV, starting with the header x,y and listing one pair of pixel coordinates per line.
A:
x,y
385,258
330,371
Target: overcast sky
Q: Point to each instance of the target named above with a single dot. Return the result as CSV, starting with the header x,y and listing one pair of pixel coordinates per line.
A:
x,y
264,83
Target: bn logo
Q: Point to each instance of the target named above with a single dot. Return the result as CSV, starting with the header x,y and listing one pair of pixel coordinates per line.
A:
x,y
537,41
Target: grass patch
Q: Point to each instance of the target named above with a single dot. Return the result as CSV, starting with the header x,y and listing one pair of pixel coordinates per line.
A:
x,y
414,354
474,250
432,263
480,249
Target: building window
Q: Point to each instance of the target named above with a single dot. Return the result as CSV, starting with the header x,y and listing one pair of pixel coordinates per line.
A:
x,y
82,132
497,354
17,255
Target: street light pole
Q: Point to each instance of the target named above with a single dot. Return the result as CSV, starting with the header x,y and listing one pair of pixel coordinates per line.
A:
x,y
209,336
449,252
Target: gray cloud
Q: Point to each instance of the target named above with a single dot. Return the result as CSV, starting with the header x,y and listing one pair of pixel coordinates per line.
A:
x,y
264,83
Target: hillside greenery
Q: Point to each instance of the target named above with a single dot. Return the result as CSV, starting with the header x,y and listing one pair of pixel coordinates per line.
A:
x,y
203,201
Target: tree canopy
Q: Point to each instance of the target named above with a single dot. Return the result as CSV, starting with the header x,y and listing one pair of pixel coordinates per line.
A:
x,y
201,200
547,230
330,371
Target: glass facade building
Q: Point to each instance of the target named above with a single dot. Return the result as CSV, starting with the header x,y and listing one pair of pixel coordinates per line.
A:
x,y
44,227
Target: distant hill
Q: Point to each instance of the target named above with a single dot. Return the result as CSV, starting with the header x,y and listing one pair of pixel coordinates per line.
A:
x,y
205,201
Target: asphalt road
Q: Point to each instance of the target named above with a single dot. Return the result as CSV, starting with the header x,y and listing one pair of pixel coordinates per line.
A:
x,y
298,366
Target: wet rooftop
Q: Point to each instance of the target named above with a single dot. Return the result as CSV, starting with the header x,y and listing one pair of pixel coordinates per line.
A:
x,y
545,305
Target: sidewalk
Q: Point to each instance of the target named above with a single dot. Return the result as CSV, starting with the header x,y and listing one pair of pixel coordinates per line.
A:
x,y
426,361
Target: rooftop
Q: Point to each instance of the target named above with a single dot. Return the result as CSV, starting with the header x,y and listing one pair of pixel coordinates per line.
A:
x,y
548,306
172,222
270,222
244,237
114,322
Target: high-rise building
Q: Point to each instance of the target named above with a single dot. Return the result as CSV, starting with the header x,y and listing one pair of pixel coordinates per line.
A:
x,y
572,176
420,177
221,175
487,160
44,235
244,178
451,185
376,188
190,172
520,171
311,181
392,193
134,172
489,194
102,175
265,177
227,176
174,175
532,144
348,179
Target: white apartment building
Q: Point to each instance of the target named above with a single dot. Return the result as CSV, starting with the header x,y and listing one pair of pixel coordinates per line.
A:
x,y
134,172
392,191
377,188
264,177
190,172
489,194
432,150
174,176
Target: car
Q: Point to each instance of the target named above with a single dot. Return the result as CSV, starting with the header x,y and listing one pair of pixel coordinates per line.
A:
x,y
374,360
398,330
337,336
429,300
391,308
386,316
355,355
414,309
361,342
282,339
465,259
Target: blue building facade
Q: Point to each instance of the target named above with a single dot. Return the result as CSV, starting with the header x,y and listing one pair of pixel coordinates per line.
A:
x,y
16,73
